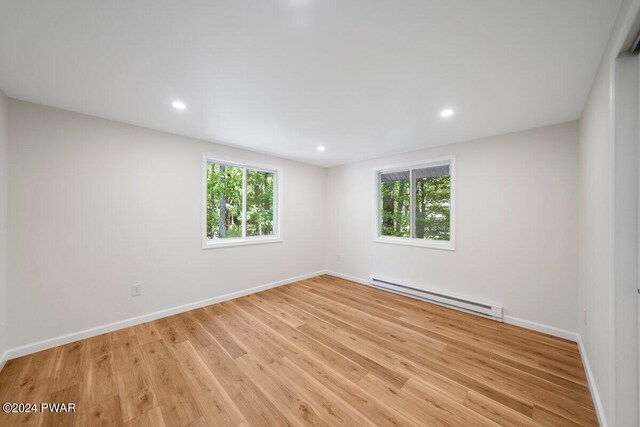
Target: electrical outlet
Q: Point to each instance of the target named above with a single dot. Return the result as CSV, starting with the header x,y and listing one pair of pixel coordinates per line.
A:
x,y
136,290
338,258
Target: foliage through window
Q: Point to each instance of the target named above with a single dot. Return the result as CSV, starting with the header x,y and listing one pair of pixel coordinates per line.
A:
x,y
260,203
241,201
416,202
395,189
224,201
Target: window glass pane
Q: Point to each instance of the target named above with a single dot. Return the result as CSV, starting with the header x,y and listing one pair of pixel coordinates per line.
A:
x,y
224,201
260,203
395,201
433,202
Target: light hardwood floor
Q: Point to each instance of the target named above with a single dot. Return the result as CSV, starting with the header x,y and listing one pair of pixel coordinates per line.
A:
x,y
323,351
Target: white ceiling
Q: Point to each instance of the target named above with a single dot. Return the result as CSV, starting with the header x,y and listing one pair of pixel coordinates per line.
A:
x,y
361,77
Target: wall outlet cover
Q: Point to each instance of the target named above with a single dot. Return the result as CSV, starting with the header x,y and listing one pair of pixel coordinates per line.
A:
x,y
136,290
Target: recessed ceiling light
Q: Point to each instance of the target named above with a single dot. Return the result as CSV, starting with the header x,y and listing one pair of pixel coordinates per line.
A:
x,y
320,147
447,112
178,105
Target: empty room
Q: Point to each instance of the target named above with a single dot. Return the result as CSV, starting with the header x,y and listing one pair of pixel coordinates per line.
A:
x,y
319,212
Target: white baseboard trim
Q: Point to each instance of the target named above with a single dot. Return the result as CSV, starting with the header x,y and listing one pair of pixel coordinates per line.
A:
x,y
592,385
546,329
3,359
538,327
550,330
91,332
99,330
347,277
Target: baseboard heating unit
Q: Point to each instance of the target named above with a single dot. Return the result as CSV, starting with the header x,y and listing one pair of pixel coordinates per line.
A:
x,y
473,307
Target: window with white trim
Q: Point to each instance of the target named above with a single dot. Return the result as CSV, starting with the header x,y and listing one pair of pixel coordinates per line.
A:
x,y
415,204
241,203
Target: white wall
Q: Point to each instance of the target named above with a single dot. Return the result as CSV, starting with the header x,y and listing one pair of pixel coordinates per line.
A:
x,y
595,265
4,187
516,225
596,273
95,206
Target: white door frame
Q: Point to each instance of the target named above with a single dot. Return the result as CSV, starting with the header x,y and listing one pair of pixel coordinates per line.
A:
x,y
626,221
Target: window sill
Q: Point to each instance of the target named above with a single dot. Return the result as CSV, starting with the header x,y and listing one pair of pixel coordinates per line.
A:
x,y
405,241
227,243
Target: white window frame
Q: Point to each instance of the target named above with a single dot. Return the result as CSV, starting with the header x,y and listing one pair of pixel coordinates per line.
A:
x,y
413,241
244,240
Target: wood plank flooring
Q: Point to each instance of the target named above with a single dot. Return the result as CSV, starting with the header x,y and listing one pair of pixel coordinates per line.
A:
x,y
323,351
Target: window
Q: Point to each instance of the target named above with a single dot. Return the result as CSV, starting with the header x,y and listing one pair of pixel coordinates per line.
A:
x,y
415,204
241,203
